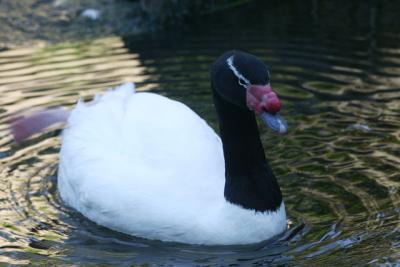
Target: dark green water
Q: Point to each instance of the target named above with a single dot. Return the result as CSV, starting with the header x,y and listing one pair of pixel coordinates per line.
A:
x,y
335,65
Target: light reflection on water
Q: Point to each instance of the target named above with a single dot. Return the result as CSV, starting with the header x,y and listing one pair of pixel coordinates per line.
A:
x,y
340,181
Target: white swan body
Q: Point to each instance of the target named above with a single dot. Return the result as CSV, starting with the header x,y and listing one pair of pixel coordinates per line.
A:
x,y
148,166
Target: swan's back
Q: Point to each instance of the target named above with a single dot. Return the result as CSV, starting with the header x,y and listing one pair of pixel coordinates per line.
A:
x,y
142,159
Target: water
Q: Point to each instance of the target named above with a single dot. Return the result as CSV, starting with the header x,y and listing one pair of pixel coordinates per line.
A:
x,y
337,71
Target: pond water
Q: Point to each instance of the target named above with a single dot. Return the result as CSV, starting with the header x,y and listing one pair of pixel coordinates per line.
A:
x,y
338,73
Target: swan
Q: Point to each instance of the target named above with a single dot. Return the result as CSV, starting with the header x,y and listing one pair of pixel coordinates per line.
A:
x,y
148,166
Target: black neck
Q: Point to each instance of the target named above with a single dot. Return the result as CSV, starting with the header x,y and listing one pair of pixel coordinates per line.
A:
x,y
249,181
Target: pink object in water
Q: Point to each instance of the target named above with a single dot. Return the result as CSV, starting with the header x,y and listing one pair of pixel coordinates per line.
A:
x,y
23,127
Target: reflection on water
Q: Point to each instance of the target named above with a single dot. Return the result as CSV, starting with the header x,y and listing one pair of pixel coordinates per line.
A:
x,y
338,166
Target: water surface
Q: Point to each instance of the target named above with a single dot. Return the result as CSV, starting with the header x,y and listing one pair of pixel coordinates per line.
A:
x,y
337,71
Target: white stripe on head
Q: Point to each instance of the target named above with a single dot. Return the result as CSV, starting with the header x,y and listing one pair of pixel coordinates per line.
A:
x,y
242,80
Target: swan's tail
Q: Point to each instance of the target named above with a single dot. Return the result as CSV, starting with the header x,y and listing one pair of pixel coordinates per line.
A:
x,y
24,126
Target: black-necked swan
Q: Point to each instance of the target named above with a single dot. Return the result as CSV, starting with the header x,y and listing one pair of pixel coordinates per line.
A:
x,y
148,166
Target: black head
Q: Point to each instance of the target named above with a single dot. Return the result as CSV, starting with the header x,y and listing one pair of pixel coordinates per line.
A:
x,y
243,80
231,87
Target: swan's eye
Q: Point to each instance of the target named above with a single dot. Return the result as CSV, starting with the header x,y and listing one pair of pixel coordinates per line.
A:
x,y
243,82
268,78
